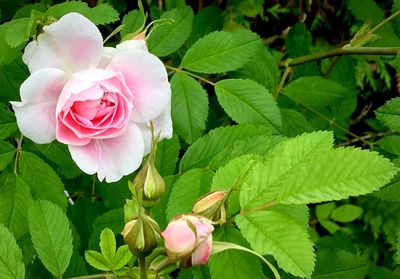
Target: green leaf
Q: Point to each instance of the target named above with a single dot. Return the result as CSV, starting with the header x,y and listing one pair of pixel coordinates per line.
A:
x,y
202,151
7,152
248,102
167,155
261,68
133,22
122,257
221,51
108,245
390,144
7,54
285,156
294,123
41,178
346,213
8,123
11,77
18,31
167,37
189,107
170,4
315,91
275,233
11,260
241,265
330,226
187,189
323,211
101,14
389,114
96,260
339,264
15,201
51,236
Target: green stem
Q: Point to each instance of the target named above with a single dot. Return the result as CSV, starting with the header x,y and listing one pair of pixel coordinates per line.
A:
x,y
94,276
282,82
17,153
161,265
261,207
342,51
190,74
143,268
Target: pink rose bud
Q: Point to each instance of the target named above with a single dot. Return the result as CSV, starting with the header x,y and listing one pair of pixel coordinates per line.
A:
x,y
189,238
211,205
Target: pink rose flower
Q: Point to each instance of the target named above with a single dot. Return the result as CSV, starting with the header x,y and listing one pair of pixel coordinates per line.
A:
x,y
97,100
182,242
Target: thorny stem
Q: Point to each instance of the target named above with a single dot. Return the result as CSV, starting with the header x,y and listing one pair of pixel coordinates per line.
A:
x,y
17,153
190,74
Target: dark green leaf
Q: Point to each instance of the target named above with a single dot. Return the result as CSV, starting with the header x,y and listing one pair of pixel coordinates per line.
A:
x,y
11,264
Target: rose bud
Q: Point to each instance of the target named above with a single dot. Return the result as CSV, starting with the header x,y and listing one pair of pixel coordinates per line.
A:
x,y
189,239
211,205
142,235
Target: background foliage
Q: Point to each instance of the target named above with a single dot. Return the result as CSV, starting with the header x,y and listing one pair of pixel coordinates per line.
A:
x,y
246,117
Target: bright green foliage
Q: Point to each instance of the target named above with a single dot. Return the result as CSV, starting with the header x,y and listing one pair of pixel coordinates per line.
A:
x,y
7,123
315,91
186,190
389,114
15,201
42,179
221,51
101,14
51,236
339,264
241,265
7,152
11,264
18,31
247,102
7,53
133,22
189,107
346,213
167,155
170,35
110,258
202,151
275,233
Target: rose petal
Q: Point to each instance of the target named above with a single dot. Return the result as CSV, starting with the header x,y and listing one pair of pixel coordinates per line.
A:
x,y
72,44
162,125
110,52
36,113
202,252
111,158
179,238
146,77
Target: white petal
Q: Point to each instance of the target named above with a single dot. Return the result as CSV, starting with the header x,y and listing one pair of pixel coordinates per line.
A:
x,y
147,78
110,52
36,113
111,158
72,44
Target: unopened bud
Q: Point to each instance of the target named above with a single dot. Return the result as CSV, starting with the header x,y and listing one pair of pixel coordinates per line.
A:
x,y
150,181
142,235
211,205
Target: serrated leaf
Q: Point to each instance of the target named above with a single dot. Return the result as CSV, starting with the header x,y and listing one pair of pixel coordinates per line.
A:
x,y
51,236
202,151
61,9
7,152
346,213
275,233
285,156
18,31
96,260
189,187
315,91
167,155
108,245
8,124
241,265
41,178
294,123
168,37
221,51
77,266
122,257
189,107
389,114
340,264
15,201
133,22
7,54
11,260
248,102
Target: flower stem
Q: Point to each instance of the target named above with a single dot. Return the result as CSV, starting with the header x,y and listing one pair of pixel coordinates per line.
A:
x,y
190,74
143,268
17,153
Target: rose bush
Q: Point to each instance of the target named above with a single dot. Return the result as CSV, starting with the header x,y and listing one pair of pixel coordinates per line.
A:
x,y
189,237
97,100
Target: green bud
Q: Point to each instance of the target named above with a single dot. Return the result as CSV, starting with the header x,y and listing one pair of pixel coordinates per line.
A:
x,y
212,205
131,210
150,181
142,235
